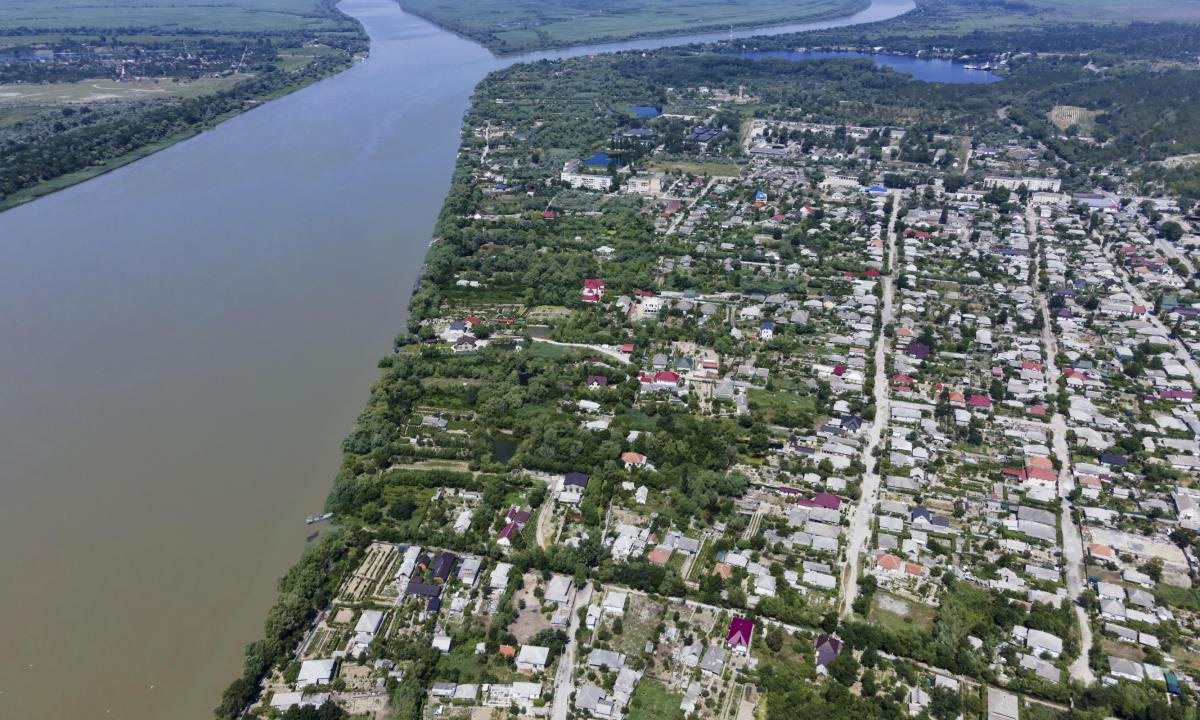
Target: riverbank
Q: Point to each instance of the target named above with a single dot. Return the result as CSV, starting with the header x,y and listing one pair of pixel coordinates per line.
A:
x,y
67,180
55,144
529,33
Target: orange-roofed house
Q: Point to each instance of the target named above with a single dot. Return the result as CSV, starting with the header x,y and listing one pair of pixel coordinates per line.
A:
x,y
660,555
888,563
1100,551
723,570
633,460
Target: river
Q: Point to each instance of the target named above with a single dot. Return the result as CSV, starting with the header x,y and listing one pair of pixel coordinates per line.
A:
x,y
186,340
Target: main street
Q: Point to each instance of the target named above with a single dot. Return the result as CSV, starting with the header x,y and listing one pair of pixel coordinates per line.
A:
x,y
860,521
562,679
1072,542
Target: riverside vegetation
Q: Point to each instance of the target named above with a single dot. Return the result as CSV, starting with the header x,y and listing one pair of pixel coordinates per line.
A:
x,y
87,89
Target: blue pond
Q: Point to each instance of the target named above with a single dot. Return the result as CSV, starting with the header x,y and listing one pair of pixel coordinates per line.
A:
x,y
645,111
925,70
600,159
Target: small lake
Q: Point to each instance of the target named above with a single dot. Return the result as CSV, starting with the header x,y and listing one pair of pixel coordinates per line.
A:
x,y
503,449
923,69
645,111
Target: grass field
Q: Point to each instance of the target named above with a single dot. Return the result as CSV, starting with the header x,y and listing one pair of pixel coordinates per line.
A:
x,y
167,15
92,91
896,613
1064,116
952,18
712,169
1122,10
653,701
515,25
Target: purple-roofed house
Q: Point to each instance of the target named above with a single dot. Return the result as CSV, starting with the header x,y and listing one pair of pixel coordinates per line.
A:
x,y
1113,459
829,501
917,350
741,630
827,649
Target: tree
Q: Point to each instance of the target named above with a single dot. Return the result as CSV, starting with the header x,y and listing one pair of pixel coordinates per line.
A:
x,y
996,390
1171,230
844,668
1153,568
775,639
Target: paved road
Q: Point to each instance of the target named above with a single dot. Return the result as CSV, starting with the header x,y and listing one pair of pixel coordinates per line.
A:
x,y
860,523
1072,542
563,684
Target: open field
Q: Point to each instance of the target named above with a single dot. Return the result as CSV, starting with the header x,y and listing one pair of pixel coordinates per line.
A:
x,y
1064,116
515,25
239,16
653,701
1121,10
712,169
890,611
1044,13
92,91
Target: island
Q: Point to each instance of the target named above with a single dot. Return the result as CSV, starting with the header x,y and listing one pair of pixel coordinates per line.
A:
x,y
512,26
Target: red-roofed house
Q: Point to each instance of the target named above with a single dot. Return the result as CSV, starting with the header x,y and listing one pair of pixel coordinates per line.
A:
x,y
593,290
1039,475
980,402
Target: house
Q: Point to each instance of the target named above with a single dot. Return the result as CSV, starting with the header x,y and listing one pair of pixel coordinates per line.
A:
x,y
288,700
633,460
1002,705
507,534
713,661
593,290
315,672
515,522
592,699
575,480
532,658
1126,669
560,590
365,631
690,698
1043,642
827,649
444,565
607,659
741,632
498,579
614,602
